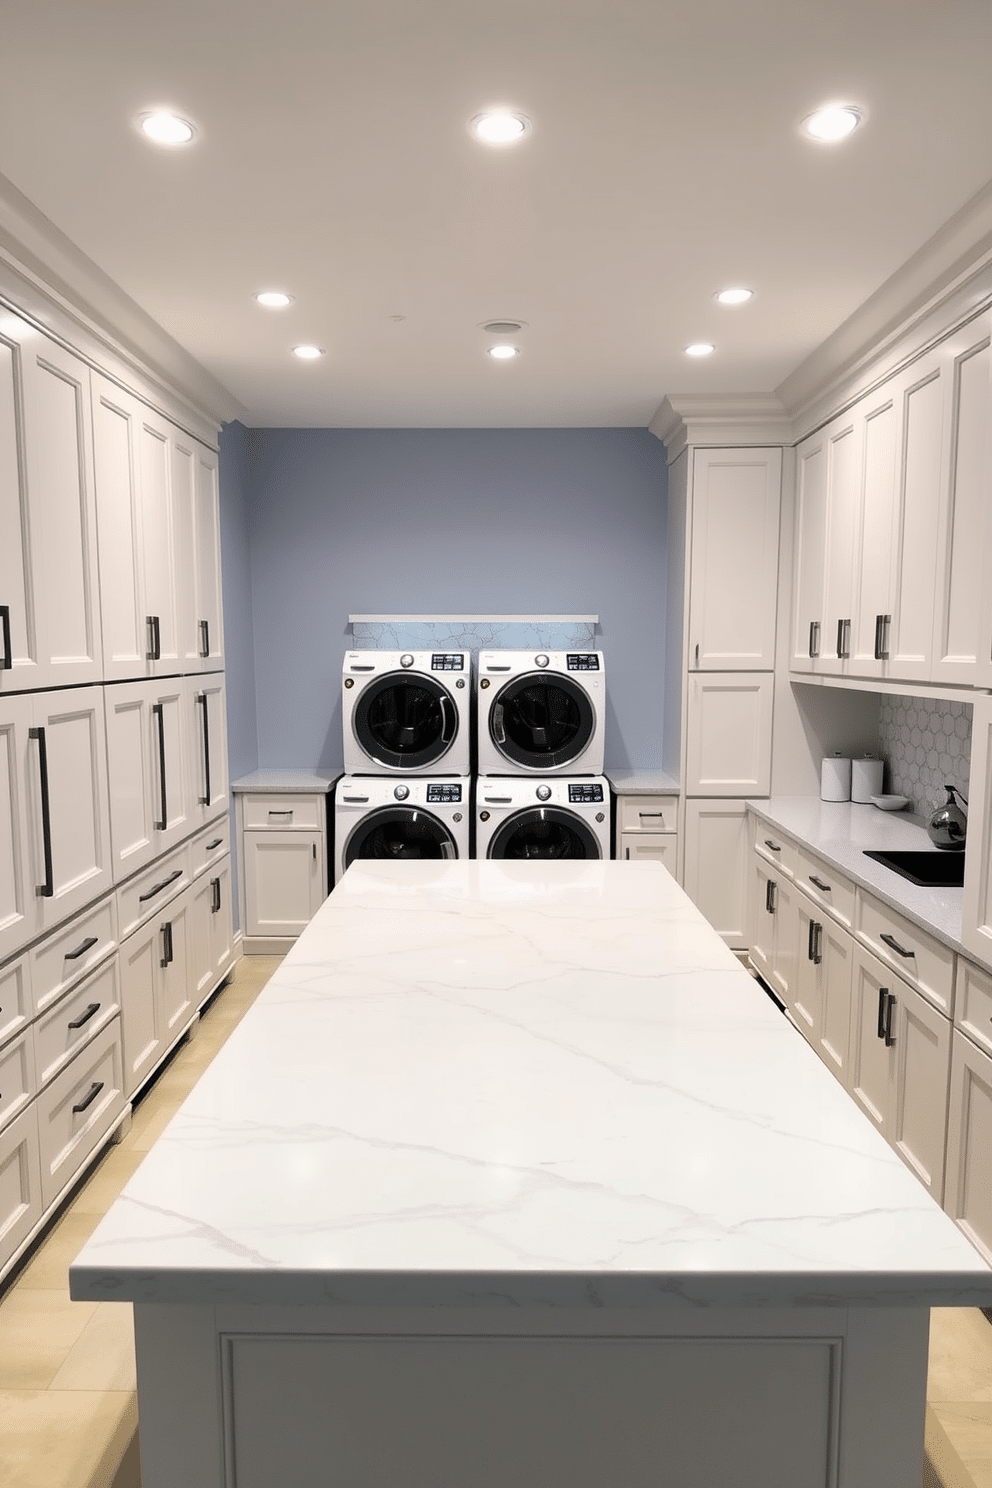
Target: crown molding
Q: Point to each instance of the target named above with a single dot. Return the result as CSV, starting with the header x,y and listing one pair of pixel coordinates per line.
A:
x,y
724,419
52,282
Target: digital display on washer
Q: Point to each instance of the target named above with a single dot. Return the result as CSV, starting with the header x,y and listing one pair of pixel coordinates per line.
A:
x,y
444,661
586,661
578,793
443,793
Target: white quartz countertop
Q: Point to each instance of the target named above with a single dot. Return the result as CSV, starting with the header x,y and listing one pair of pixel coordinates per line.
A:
x,y
642,782
286,782
491,1084
841,831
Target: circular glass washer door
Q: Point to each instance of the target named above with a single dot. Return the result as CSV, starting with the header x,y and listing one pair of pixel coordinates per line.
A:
x,y
544,832
396,834
405,721
541,722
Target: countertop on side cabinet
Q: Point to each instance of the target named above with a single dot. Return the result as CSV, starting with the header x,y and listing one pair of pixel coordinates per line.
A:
x,y
841,831
642,782
542,1084
287,782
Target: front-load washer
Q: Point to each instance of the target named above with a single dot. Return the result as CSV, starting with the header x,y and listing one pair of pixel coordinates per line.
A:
x,y
406,712
396,820
542,820
541,712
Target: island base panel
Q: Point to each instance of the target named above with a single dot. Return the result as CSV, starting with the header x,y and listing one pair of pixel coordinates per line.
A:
x,y
249,1397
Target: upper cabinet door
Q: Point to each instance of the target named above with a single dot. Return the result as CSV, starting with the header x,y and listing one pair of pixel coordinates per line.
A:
x,y
963,628
733,586
197,525
843,514
810,542
880,418
921,393
126,637
49,567
155,464
729,735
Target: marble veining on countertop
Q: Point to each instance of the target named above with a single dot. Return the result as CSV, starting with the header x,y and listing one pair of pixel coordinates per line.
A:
x,y
841,831
642,782
287,782
496,1084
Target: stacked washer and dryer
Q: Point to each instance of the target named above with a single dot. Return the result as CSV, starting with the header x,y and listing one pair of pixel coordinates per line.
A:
x,y
406,790
541,793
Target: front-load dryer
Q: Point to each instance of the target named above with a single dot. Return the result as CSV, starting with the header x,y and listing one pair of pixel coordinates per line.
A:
x,y
541,712
406,712
542,820
399,820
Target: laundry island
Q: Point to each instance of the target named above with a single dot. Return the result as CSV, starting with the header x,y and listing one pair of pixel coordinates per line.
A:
x,y
512,1175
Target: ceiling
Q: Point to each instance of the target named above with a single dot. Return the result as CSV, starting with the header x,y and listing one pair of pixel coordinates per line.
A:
x,y
333,159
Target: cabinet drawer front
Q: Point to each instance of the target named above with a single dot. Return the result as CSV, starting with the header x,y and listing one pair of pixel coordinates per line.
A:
x,y
647,813
20,1183
825,887
17,1083
973,996
146,894
76,1020
919,959
59,962
775,848
209,846
16,1008
77,1109
285,812
650,847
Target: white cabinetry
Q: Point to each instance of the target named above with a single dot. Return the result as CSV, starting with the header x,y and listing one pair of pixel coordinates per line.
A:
x,y
151,805
197,512
716,865
976,908
646,828
811,534
282,829
206,730
968,1188
729,734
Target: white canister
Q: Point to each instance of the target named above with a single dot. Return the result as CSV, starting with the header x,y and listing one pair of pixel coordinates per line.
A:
x,y
835,778
866,778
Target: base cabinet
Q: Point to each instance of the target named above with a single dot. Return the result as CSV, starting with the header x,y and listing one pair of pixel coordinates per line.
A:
x,y
968,1186
21,1204
282,831
716,865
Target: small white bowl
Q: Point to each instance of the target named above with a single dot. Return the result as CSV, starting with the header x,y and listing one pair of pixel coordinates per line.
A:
x,y
890,803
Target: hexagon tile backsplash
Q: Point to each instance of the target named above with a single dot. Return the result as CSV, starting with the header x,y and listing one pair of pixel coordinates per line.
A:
x,y
925,742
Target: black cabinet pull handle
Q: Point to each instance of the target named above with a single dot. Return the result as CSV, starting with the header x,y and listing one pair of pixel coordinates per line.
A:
x,y
843,639
819,943
773,845
889,1040
814,639
89,1097
47,889
157,888
810,940
167,949
215,904
81,949
158,711
883,993
204,704
85,1017
819,884
314,846
7,659
216,843
890,940
154,639
815,942
204,638
770,895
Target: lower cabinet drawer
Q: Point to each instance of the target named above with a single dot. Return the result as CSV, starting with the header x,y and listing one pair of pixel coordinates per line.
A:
x,y
775,848
973,1003
825,887
925,963
61,1032
17,1081
647,813
78,1108
63,959
146,893
209,846
288,812
21,1203
655,847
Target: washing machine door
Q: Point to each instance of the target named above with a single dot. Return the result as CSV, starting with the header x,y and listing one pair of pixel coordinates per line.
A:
x,y
405,721
399,834
541,721
544,832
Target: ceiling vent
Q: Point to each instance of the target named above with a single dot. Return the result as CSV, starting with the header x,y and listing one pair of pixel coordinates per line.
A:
x,y
503,327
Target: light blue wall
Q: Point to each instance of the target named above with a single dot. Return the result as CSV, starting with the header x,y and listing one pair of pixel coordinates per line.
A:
x,y
451,521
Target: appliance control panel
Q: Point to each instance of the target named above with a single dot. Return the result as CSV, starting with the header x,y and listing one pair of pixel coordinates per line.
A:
x,y
582,661
580,793
447,661
444,794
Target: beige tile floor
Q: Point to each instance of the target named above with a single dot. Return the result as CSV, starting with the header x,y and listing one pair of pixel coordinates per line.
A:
x,y
68,1415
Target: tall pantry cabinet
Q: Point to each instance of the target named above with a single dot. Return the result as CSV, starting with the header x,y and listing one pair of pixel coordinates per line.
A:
x,y
115,908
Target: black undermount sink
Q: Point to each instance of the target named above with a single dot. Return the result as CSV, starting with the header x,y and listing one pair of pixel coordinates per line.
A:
x,y
932,870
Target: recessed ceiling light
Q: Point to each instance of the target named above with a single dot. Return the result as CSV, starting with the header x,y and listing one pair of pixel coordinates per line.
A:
x,y
834,122
734,296
167,129
700,349
307,353
274,299
503,353
500,126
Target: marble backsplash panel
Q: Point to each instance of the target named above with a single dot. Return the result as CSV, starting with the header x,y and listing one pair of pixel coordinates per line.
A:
x,y
474,633
925,742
